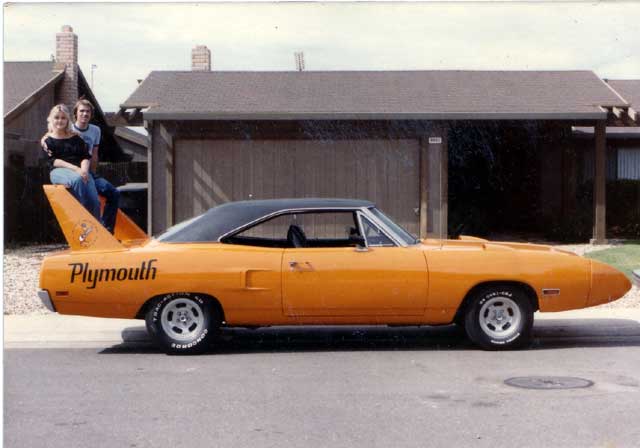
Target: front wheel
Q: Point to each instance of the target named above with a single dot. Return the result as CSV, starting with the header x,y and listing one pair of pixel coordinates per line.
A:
x,y
182,323
499,318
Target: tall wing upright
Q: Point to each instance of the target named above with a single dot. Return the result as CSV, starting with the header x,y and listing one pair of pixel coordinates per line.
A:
x,y
82,231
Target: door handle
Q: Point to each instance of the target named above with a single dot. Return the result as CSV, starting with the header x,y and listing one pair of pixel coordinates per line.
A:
x,y
295,265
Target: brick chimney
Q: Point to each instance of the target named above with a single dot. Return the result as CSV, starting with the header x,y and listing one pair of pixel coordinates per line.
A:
x,y
200,59
67,56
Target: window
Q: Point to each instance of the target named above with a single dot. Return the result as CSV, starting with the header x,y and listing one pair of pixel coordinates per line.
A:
x,y
399,231
374,235
304,229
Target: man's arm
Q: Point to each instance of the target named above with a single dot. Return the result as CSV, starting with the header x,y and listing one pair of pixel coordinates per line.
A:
x,y
84,170
43,144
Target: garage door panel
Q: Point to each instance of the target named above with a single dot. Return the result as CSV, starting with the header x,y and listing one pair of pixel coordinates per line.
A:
x,y
211,172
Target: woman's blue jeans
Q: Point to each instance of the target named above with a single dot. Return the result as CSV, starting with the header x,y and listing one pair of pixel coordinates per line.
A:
x,y
85,193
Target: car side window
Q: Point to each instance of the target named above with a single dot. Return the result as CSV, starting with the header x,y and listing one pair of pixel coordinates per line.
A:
x,y
373,235
303,229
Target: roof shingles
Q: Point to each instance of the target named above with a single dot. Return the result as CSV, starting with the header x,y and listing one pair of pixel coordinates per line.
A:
x,y
629,89
23,79
371,94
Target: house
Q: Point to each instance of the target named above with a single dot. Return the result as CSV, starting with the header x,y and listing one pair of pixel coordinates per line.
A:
x,y
623,143
31,89
386,136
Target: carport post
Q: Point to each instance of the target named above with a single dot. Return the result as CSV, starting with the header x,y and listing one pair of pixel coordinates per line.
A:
x,y
424,186
599,184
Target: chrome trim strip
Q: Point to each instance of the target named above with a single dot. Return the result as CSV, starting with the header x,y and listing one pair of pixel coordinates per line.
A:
x,y
550,291
361,227
281,212
367,214
385,229
43,294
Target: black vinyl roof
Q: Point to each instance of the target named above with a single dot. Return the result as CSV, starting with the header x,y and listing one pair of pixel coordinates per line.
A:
x,y
220,220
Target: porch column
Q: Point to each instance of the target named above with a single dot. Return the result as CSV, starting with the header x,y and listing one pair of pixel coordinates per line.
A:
x,y
148,125
599,184
424,186
436,182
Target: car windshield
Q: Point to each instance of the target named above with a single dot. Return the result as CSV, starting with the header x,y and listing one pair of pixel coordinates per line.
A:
x,y
398,230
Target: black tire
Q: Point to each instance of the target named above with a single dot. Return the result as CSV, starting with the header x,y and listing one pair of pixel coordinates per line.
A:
x,y
499,318
183,323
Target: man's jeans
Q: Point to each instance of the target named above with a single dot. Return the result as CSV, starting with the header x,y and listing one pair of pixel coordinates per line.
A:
x,y
85,193
112,196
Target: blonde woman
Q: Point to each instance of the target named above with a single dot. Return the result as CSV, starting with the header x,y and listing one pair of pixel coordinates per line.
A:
x,y
69,159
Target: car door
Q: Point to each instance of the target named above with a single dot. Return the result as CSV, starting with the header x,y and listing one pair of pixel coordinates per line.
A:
x,y
379,279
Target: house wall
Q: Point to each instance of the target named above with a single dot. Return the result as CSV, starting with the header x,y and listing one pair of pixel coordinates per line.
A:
x,y
212,172
585,159
628,163
390,163
161,194
27,129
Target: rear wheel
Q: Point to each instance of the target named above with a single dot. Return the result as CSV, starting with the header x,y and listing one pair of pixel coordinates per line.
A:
x,y
182,323
499,318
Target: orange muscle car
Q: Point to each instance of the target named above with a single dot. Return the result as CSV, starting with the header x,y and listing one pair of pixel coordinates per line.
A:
x,y
308,262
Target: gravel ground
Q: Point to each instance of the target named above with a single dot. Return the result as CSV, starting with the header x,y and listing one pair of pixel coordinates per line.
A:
x,y
22,267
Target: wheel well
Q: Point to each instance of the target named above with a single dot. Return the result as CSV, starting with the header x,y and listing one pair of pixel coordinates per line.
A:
x,y
145,306
527,289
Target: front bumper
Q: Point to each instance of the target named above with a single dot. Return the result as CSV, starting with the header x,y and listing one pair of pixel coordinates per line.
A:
x,y
635,277
46,300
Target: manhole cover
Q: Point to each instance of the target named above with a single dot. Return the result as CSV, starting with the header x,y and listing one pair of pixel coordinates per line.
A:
x,y
548,382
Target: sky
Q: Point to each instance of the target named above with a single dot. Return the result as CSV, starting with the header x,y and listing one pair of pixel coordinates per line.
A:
x,y
128,40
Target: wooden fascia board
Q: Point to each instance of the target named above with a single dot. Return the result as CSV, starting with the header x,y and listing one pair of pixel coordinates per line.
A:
x,y
196,116
123,118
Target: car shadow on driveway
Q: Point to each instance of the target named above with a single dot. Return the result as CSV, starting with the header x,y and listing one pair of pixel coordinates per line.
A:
x,y
547,334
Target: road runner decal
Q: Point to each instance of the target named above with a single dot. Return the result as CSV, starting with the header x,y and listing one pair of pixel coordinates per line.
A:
x,y
146,271
84,232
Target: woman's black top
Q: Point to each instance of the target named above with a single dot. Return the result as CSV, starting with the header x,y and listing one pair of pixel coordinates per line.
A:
x,y
72,150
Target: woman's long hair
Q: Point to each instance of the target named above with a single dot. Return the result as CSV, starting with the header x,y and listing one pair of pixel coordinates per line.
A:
x,y
59,108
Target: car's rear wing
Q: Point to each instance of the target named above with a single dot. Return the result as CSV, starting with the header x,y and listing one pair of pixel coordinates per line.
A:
x,y
82,231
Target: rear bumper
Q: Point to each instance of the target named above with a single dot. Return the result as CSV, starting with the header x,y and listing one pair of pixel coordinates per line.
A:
x,y
635,277
46,300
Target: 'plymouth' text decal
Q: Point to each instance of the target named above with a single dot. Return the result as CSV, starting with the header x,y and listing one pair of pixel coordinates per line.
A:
x,y
82,272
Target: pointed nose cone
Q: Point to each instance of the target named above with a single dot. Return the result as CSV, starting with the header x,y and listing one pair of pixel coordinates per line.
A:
x,y
607,284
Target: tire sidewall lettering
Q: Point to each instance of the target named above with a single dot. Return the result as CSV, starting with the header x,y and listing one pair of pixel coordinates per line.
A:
x,y
164,339
477,333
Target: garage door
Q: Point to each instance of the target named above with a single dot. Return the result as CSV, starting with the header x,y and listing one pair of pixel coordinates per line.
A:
x,y
211,172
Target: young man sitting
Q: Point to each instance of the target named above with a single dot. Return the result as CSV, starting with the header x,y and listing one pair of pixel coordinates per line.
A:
x,y
91,134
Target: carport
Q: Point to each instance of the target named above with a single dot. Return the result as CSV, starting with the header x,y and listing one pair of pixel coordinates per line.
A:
x,y
379,135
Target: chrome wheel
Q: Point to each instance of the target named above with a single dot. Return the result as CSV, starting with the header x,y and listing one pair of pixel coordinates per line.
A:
x,y
182,319
500,317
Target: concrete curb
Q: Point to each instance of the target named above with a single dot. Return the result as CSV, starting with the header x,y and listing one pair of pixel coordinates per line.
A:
x,y
57,331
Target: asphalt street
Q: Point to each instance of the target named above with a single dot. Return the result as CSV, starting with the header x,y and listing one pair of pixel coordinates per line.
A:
x,y
330,387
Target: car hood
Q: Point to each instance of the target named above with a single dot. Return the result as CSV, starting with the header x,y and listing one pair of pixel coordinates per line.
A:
x,y
481,243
